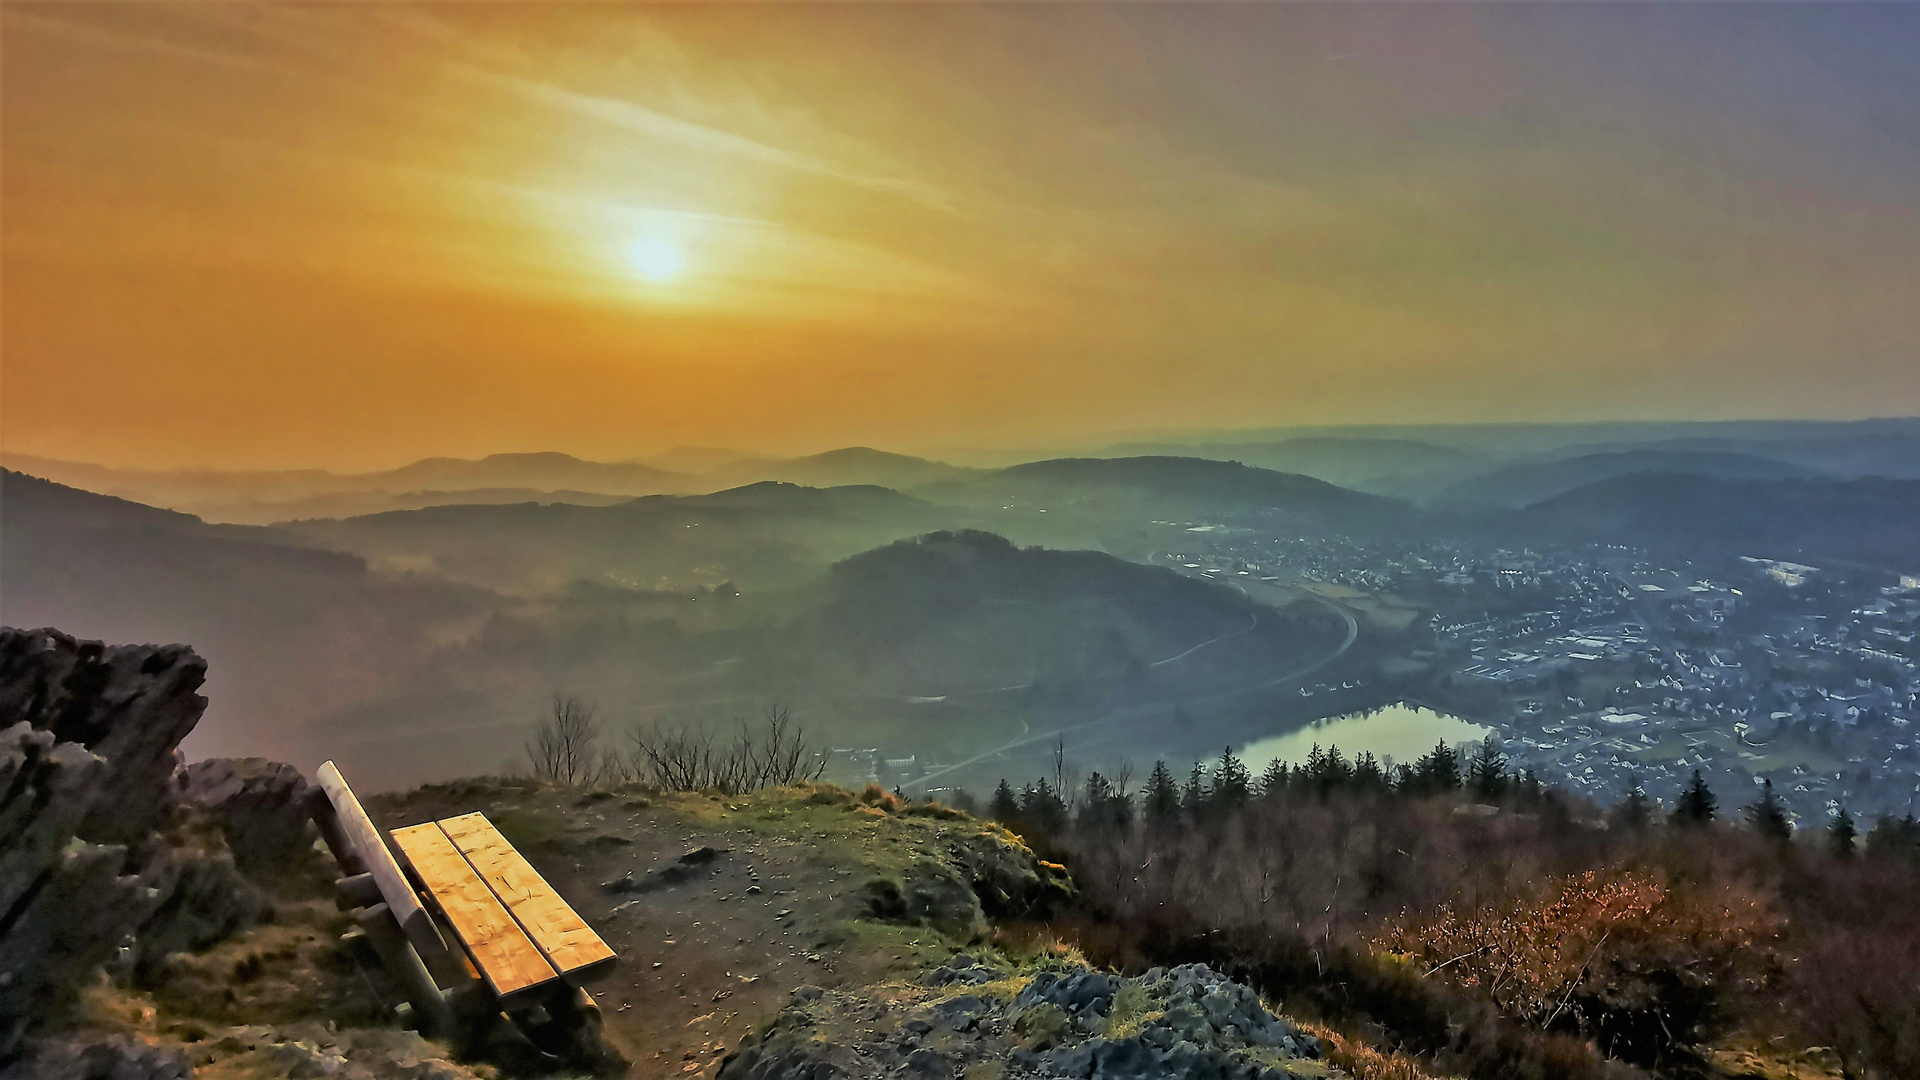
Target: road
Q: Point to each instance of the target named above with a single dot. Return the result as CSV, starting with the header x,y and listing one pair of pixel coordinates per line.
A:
x,y
1135,712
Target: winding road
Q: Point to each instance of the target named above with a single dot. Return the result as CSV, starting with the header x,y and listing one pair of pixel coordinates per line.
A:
x,y
1134,712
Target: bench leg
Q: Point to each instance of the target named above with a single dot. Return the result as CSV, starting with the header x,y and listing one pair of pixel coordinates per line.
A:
x,y
568,1026
396,952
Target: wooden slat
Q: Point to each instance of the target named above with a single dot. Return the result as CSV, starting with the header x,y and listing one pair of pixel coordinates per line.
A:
x,y
501,950
358,831
556,928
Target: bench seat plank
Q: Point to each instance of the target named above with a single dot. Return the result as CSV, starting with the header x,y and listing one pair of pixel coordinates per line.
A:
x,y
561,934
507,959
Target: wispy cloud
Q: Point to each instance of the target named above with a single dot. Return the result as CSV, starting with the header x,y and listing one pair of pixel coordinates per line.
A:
x,y
134,42
702,138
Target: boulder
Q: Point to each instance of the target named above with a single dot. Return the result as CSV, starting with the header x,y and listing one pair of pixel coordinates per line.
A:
x,y
101,862
259,805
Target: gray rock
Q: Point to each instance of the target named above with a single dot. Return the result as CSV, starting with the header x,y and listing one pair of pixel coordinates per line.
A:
x,y
684,868
1078,992
261,807
929,1063
117,1058
961,1013
99,858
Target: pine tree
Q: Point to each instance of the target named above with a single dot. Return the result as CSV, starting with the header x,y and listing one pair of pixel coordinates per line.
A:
x,y
1487,770
1842,834
1339,772
1893,838
1437,772
1231,782
1366,771
1005,805
1445,773
1162,799
1193,798
1768,817
1636,810
1043,808
1316,764
1273,782
1696,804
1094,795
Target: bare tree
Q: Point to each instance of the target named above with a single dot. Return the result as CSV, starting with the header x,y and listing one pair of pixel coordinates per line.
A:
x,y
562,750
680,759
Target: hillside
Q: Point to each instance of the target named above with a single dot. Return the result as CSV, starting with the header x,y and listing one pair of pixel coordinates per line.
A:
x,y
1870,521
262,496
1377,465
759,536
951,612
853,465
1531,482
1168,487
942,647
292,632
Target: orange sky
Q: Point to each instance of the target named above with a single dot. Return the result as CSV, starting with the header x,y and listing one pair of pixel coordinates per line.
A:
x,y
253,235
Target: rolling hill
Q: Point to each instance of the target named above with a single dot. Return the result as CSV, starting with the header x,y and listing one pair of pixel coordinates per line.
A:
x,y
944,645
762,535
290,632
1169,487
264,496
1377,465
853,465
1531,482
1870,521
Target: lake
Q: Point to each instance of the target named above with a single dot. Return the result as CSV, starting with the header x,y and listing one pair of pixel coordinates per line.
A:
x,y
1402,732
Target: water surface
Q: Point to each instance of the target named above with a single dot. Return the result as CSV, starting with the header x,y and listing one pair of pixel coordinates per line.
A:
x,y
1402,732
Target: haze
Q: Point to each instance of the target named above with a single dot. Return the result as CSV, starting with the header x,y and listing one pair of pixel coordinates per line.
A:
x,y
253,235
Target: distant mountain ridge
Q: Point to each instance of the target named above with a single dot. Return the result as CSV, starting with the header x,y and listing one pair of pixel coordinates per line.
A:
x,y
1872,521
763,534
261,497
1168,485
1531,482
1376,465
290,630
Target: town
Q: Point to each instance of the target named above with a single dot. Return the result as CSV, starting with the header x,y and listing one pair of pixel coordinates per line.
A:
x,y
1603,667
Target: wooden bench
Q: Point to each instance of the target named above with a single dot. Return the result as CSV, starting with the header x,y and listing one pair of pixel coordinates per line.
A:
x,y
461,918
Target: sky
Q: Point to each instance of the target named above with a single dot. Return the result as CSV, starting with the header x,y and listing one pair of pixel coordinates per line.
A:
x,y
347,236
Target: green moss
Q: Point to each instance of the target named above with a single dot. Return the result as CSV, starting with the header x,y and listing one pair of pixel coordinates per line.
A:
x,y
1132,1011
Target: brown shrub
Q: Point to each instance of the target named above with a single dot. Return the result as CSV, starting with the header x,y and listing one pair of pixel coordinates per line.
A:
x,y
1620,956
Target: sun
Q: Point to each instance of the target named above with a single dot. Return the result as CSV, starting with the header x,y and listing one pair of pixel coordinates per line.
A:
x,y
656,259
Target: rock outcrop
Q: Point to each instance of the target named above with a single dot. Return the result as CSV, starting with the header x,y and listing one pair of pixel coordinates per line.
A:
x,y
102,864
1186,1023
258,805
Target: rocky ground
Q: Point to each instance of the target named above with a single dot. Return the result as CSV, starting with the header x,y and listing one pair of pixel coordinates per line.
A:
x,y
721,907
976,1019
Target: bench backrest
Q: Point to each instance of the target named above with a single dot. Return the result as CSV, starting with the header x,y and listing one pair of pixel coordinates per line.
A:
x,y
370,853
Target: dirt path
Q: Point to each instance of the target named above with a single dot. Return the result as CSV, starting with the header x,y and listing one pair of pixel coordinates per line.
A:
x,y
704,961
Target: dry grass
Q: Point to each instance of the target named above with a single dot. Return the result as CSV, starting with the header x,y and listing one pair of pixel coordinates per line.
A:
x,y
880,798
1363,1062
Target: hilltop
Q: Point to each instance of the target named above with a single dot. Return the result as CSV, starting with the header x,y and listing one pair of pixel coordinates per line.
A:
x,y
759,535
853,465
1379,465
1167,486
